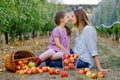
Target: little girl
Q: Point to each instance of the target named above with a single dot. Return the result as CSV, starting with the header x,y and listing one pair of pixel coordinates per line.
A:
x,y
59,40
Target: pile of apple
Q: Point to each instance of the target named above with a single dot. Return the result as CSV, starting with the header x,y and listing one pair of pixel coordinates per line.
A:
x,y
69,61
29,67
89,73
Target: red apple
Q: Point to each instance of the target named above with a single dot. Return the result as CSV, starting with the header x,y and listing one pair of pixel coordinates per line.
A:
x,y
34,70
57,71
18,67
21,72
66,68
25,67
71,59
64,74
40,71
31,64
17,71
52,71
25,61
20,62
81,72
45,69
71,65
66,61
86,70
28,71
101,74
89,74
40,67
76,56
66,56
94,76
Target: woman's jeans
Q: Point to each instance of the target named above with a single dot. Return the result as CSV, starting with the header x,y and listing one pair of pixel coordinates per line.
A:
x,y
58,63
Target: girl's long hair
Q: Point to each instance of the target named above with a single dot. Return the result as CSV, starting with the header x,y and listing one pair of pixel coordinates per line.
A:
x,y
58,16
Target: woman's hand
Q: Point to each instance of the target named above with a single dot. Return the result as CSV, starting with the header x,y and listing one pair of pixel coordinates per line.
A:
x,y
105,70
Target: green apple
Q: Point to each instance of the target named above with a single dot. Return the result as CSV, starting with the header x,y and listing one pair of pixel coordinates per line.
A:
x,y
31,64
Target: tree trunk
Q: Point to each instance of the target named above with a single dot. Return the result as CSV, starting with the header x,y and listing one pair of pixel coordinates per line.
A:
x,y
20,36
116,36
6,37
33,34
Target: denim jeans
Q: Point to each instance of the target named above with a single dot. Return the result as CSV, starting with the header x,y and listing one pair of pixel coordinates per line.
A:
x,y
58,63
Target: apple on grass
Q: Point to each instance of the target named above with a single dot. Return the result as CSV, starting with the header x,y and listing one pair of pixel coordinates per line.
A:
x,y
101,74
28,71
89,74
57,71
94,76
52,71
34,70
45,69
40,71
81,72
66,68
86,70
31,64
64,74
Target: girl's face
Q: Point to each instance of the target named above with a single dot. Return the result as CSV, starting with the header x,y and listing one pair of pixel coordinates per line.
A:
x,y
65,19
74,20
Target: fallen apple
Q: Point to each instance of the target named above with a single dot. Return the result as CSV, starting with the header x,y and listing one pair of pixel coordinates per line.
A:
x,y
31,64
101,74
81,72
52,71
89,74
57,71
34,70
86,70
94,76
64,74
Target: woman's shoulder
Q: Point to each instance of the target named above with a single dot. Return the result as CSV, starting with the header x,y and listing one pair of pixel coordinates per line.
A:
x,y
88,28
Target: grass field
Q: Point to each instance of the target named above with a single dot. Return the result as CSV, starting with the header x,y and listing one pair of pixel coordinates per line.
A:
x,y
108,56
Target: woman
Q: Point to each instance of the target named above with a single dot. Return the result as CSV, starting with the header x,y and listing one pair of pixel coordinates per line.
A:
x,y
86,41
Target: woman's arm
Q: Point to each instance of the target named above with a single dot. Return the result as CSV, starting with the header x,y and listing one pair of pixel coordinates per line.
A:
x,y
96,58
89,34
57,42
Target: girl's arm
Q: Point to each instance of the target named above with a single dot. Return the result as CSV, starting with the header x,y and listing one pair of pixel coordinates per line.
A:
x,y
57,42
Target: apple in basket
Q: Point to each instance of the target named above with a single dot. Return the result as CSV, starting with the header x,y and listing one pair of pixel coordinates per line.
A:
x,y
20,62
31,64
25,61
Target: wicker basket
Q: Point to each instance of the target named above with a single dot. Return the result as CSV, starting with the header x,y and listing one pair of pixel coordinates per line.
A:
x,y
10,60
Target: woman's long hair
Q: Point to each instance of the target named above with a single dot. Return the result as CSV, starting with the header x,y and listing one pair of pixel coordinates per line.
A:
x,y
82,19
58,16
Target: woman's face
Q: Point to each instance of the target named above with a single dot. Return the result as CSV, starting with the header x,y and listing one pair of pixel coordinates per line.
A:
x,y
74,19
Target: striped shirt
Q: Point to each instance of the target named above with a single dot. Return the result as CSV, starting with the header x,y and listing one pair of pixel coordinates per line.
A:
x,y
86,45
